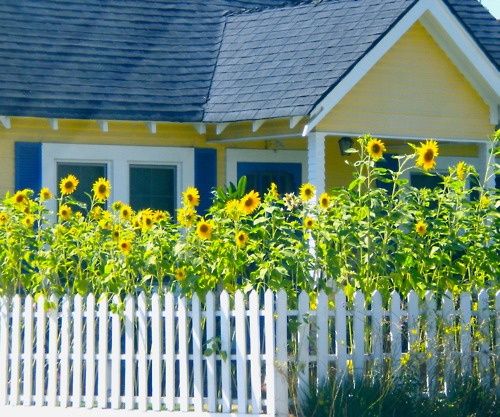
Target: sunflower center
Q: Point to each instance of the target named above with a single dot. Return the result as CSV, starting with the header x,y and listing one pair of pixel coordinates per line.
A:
x,y
248,202
308,191
68,185
375,148
428,155
204,228
102,188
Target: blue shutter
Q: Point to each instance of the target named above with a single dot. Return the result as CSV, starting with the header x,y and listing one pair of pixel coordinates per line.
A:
x,y
205,175
28,165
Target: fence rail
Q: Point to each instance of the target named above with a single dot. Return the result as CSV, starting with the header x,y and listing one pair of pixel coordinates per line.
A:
x,y
227,355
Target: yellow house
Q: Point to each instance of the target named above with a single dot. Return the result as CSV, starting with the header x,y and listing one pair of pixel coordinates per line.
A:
x,y
160,96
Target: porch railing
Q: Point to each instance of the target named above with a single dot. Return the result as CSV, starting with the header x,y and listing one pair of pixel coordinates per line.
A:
x,y
228,355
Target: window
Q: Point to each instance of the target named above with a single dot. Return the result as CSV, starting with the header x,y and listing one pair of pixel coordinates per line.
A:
x,y
286,168
153,187
87,174
141,176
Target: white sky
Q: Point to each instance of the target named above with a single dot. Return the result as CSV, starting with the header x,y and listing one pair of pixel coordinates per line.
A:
x,y
493,6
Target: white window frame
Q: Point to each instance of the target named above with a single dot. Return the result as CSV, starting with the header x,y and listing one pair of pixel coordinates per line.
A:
x,y
235,155
118,159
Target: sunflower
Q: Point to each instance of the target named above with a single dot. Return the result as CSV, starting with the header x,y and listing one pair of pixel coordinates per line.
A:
x,y
125,212
484,201
375,148
161,215
101,189
117,205
29,221
307,191
241,239
186,216
4,217
204,230
125,246
116,234
180,274
96,212
421,228
273,191
65,212
309,222
68,185
147,219
20,198
250,202
324,201
427,153
191,197
45,194
461,170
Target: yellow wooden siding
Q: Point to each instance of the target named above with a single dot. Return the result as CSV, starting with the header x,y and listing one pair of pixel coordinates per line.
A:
x,y
121,133
338,173
414,90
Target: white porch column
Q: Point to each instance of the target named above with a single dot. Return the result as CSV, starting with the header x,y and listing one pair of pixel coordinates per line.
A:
x,y
316,161
487,171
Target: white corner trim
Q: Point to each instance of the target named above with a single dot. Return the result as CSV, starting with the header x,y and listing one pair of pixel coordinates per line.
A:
x,y
103,125
201,128
220,127
151,127
294,121
235,155
5,120
54,124
440,13
257,124
118,159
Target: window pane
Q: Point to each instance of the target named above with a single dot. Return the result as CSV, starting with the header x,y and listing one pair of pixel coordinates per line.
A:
x,y
153,186
87,174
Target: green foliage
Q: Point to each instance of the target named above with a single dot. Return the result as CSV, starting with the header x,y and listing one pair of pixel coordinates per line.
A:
x,y
361,237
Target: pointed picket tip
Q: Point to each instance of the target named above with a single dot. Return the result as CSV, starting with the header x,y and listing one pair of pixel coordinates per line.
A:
x,y
253,297
322,298
359,297
483,293
195,299
209,298
282,293
90,298
224,295
303,298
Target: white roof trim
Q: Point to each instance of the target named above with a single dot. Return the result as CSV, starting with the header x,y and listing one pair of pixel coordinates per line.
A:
x,y
5,120
201,128
294,121
220,127
437,15
103,125
151,127
54,124
257,124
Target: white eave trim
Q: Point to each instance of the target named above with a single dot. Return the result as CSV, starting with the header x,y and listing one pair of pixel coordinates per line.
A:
x,y
103,125
294,121
436,14
151,127
220,127
5,120
201,128
54,124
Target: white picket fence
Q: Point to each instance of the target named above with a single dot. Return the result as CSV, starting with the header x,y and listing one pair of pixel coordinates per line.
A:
x,y
153,356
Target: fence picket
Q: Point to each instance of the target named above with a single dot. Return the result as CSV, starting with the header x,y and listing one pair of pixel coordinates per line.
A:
x,y
358,351
15,350
340,335
395,331
431,343
225,326
115,357
412,321
241,350
281,367
65,349
27,352
183,355
269,342
90,352
303,345
52,361
142,352
448,314
103,363
210,359
77,350
465,333
170,383
4,349
377,341
483,327
322,342
197,354
156,351
255,365
129,325
40,352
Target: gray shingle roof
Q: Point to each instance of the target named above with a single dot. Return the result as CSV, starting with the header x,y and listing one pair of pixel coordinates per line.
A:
x,y
161,59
